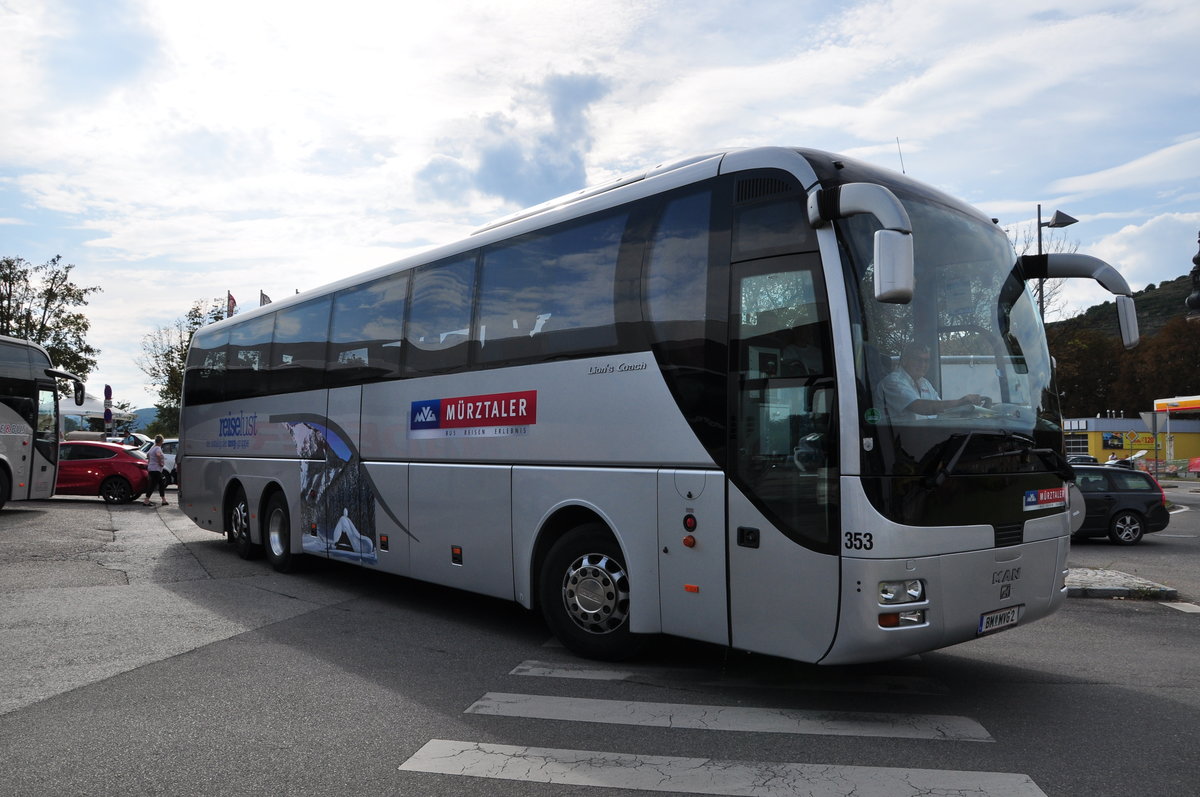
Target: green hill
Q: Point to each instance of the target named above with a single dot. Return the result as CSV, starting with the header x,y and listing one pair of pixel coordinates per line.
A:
x,y
1156,305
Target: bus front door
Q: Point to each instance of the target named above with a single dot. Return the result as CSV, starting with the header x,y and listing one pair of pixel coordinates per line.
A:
x,y
782,486
44,465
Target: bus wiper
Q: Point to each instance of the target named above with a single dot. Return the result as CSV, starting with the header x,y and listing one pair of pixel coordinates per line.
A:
x,y
944,472
1054,461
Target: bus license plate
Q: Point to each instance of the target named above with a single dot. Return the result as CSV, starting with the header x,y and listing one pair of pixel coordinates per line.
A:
x,y
1001,618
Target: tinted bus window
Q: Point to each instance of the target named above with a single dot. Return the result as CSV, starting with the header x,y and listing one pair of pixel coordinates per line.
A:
x,y
15,394
249,355
204,380
14,356
367,332
298,350
677,271
770,217
550,295
439,324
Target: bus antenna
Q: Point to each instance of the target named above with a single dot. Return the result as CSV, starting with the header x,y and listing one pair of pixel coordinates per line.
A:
x,y
901,155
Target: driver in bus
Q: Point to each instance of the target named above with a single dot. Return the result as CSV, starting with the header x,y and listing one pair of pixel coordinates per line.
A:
x,y
908,395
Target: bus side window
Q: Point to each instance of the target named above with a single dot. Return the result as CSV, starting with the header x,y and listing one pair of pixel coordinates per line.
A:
x,y
298,349
367,332
771,219
249,357
550,295
439,319
204,378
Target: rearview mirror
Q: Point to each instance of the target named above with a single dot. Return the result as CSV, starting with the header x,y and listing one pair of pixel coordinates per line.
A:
x,y
893,267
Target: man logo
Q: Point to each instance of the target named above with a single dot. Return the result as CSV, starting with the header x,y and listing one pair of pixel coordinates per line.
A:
x,y
1005,591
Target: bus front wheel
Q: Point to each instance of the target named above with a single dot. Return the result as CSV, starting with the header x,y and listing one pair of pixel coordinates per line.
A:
x,y
237,525
278,534
584,594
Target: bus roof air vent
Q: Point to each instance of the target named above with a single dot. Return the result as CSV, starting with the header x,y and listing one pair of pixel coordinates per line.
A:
x,y
755,188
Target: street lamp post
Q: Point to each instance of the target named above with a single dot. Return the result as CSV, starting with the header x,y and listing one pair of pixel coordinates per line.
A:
x,y
1059,219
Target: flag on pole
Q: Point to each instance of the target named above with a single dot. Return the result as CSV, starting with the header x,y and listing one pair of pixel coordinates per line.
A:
x,y
230,304
263,299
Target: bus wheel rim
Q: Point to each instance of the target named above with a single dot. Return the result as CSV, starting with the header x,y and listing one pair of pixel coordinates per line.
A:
x,y
276,534
241,523
596,593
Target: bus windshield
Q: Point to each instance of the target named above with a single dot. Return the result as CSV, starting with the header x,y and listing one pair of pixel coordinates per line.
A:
x,y
958,381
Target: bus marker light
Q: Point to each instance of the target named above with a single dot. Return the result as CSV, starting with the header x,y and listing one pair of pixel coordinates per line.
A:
x,y
456,555
689,541
913,617
383,542
689,522
691,587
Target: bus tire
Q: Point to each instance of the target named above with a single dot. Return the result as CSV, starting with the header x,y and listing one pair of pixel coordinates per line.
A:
x,y
237,525
116,490
277,534
5,488
584,594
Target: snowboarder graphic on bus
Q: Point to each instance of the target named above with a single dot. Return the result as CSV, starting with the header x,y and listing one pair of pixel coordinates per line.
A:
x,y
345,537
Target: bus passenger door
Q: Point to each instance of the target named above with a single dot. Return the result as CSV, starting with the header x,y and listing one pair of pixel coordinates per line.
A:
x,y
44,465
782,486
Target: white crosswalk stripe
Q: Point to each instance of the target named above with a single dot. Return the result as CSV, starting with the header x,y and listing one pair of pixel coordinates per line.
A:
x,y
885,684
731,718
704,776
668,774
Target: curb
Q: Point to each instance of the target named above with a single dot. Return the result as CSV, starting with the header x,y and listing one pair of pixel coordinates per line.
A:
x,y
1086,582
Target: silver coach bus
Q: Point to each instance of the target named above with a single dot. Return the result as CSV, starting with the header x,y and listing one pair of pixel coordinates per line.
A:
x,y
677,403
29,422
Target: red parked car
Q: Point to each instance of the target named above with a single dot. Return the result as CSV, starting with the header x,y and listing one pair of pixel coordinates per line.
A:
x,y
111,471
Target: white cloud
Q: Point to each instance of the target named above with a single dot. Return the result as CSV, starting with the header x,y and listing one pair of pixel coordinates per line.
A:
x,y
274,145
1170,165
1158,250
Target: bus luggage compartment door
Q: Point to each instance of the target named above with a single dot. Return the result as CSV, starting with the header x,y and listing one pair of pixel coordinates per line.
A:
x,y
691,559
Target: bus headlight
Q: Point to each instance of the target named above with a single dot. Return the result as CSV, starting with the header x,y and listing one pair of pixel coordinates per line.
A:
x,y
908,591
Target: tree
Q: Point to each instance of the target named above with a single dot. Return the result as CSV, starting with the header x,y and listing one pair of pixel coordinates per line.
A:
x,y
40,304
1087,372
164,356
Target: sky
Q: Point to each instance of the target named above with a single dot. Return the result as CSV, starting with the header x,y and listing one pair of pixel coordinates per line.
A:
x,y
174,152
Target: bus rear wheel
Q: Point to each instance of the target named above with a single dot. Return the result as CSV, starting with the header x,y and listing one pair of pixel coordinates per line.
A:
x,y
584,594
278,534
237,525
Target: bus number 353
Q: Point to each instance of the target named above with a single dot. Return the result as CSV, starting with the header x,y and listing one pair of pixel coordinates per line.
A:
x,y
859,541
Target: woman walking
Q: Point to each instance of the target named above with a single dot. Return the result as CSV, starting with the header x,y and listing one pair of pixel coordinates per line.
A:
x,y
158,461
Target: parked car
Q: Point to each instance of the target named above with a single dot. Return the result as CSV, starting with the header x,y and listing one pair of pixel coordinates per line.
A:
x,y
1123,504
1082,459
170,446
114,472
